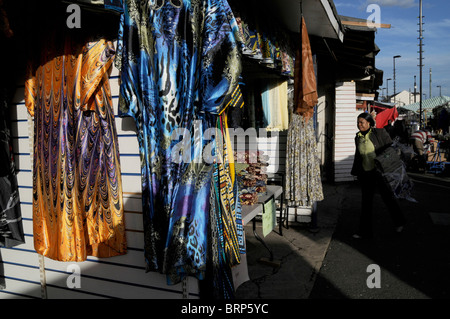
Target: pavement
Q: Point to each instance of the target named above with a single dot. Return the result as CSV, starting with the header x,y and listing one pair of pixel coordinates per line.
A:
x,y
328,263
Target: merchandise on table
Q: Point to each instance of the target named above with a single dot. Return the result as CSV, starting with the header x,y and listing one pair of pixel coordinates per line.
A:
x,y
252,176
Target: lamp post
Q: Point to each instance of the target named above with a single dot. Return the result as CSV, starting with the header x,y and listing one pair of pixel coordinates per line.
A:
x,y
420,59
395,57
430,84
387,89
440,93
415,89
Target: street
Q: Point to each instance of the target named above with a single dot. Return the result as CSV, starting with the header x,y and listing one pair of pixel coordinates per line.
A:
x,y
410,265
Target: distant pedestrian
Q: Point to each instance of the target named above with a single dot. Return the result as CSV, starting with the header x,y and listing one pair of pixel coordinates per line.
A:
x,y
390,129
401,131
370,142
418,139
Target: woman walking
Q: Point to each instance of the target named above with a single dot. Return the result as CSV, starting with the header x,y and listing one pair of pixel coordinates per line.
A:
x,y
370,142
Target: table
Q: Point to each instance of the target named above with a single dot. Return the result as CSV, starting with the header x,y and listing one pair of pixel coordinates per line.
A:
x,y
249,212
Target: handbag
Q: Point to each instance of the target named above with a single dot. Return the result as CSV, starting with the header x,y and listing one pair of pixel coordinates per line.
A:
x,y
393,171
388,160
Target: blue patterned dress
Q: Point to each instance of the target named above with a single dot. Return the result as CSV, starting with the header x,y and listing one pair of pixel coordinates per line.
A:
x,y
180,62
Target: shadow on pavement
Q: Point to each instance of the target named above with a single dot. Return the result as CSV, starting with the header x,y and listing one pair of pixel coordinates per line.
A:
x,y
413,264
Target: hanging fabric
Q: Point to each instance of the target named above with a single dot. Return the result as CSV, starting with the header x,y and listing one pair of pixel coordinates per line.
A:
x,y
303,178
303,181
275,105
77,190
180,68
11,229
386,117
305,88
226,233
2,273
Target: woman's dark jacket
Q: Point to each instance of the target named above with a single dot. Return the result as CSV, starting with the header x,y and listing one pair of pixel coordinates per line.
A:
x,y
380,139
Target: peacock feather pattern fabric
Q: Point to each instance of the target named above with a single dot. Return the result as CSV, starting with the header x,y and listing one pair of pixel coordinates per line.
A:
x,y
77,190
180,63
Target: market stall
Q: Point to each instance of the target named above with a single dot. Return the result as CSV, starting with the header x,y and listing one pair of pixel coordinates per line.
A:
x,y
106,189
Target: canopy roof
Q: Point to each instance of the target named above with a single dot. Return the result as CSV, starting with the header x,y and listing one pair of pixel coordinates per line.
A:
x,y
427,104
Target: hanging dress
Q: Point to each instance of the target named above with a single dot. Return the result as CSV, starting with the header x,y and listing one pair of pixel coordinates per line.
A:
x,y
303,178
77,190
275,105
179,63
11,228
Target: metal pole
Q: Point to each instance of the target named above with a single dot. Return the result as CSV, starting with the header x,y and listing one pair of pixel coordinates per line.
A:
x,y
415,89
394,80
420,60
387,90
395,90
430,84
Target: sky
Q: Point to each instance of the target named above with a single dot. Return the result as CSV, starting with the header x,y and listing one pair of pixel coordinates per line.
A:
x,y
402,39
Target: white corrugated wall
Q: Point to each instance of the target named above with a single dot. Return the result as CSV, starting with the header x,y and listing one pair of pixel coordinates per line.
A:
x,y
345,130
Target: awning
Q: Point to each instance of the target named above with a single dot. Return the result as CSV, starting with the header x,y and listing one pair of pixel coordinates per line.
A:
x,y
427,104
353,59
321,17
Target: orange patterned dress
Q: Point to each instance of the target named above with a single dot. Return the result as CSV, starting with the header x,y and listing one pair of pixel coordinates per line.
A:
x,y
77,190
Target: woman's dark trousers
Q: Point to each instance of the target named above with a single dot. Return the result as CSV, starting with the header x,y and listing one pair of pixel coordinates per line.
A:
x,y
370,182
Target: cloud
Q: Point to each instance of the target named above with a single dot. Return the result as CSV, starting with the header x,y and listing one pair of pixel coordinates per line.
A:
x,y
407,30
395,3
348,5
358,6
444,23
437,29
